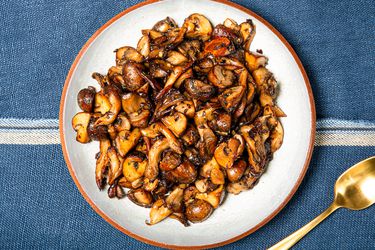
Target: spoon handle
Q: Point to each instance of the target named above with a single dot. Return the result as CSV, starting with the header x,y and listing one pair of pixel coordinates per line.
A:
x,y
297,235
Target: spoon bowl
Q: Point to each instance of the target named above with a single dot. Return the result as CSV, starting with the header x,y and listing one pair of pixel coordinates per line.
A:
x,y
354,189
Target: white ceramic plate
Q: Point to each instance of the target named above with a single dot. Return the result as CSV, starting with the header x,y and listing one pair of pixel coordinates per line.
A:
x,y
239,215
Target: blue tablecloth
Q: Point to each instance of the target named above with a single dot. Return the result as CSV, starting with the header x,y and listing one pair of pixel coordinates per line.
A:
x,y
40,207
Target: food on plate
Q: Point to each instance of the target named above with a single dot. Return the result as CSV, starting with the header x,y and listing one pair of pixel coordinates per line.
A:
x,y
184,118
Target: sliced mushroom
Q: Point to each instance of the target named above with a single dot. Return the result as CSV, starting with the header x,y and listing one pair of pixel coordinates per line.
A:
x,y
186,107
198,27
255,60
231,97
231,24
193,155
101,79
170,161
173,76
80,122
85,99
199,90
159,128
137,108
230,31
227,152
97,132
191,136
247,182
110,129
186,75
174,200
134,167
126,140
218,47
176,58
165,25
221,123
185,173
205,171
152,169
115,101
115,169
123,182
102,163
214,198
122,123
190,48
207,143
102,103
277,135
126,54
247,31
176,123
140,197
221,77
143,45
159,211
198,211
115,76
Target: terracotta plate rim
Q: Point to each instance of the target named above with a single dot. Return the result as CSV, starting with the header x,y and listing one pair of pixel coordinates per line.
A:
x,y
160,244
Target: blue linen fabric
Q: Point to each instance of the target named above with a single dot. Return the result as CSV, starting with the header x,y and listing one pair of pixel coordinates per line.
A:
x,y
40,207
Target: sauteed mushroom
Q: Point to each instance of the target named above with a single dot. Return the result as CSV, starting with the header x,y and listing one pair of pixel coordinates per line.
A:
x,y
174,115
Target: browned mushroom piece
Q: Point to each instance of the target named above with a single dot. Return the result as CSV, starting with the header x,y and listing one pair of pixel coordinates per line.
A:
x,y
198,27
277,136
198,211
159,211
191,136
137,109
97,133
102,163
187,108
218,47
126,54
80,123
154,156
114,99
170,161
190,49
132,75
230,30
176,122
185,173
143,45
134,167
102,104
165,25
122,123
199,90
140,197
126,140
214,197
227,152
221,77
85,99
221,123
255,60
176,58
236,171
231,97
115,169
247,31
174,200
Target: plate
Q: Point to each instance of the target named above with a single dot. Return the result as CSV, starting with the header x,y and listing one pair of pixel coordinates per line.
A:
x,y
239,215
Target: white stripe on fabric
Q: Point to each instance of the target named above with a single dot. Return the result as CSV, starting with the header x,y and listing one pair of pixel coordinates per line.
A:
x,y
330,132
29,137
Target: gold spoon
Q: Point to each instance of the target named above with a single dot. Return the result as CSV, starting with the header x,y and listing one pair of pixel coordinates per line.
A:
x,y
354,189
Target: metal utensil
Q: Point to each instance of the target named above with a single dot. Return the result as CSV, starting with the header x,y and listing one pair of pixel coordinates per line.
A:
x,y
354,189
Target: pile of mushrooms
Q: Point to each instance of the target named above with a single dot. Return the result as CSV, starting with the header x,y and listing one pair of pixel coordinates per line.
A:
x,y
186,117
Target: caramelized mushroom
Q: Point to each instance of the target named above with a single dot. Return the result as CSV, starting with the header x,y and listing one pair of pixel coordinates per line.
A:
x,y
176,123
236,171
85,99
115,169
214,198
152,169
126,54
174,200
199,90
132,75
159,211
185,173
102,163
255,60
198,211
140,197
126,140
170,161
102,104
221,77
227,152
115,101
143,45
198,27
80,122
231,97
134,167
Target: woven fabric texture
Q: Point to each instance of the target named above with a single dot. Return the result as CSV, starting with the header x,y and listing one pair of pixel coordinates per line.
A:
x,y
40,207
